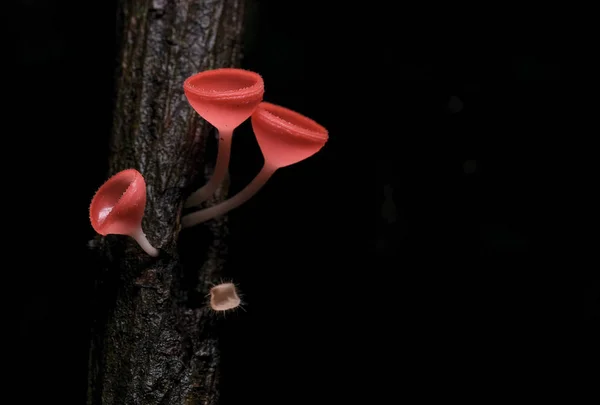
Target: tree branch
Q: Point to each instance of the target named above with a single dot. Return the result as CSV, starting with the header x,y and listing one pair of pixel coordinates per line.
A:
x,y
153,337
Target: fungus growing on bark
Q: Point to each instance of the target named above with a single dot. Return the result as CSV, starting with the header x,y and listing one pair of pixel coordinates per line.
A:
x,y
285,137
225,98
118,208
224,297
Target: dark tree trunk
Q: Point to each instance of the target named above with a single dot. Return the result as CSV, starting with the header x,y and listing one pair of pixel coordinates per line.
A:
x,y
153,338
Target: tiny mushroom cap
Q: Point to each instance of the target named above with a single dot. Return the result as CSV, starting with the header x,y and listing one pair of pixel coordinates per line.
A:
x,y
286,137
224,297
118,207
224,97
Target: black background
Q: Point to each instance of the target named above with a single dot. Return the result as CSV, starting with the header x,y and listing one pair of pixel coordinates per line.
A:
x,y
339,301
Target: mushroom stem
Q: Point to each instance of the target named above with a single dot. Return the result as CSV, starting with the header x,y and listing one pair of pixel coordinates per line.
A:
x,y
221,166
252,188
142,240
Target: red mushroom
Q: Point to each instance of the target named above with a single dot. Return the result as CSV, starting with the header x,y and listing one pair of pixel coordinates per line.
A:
x,y
225,98
118,208
285,137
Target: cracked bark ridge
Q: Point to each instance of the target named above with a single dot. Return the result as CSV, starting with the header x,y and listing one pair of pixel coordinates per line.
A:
x,y
154,340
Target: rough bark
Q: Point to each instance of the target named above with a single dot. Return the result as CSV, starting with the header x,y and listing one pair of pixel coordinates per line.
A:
x,y
154,339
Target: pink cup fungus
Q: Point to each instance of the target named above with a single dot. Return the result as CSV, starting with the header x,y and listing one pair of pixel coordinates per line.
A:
x,y
225,98
118,208
224,297
285,137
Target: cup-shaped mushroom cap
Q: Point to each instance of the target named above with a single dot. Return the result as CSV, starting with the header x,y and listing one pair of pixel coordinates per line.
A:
x,y
224,97
224,297
285,136
118,206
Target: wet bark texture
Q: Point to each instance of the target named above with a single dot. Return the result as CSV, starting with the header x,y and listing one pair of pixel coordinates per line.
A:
x,y
154,341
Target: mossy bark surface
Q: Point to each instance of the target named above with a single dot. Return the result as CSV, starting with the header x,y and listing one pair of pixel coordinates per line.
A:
x,y
154,340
